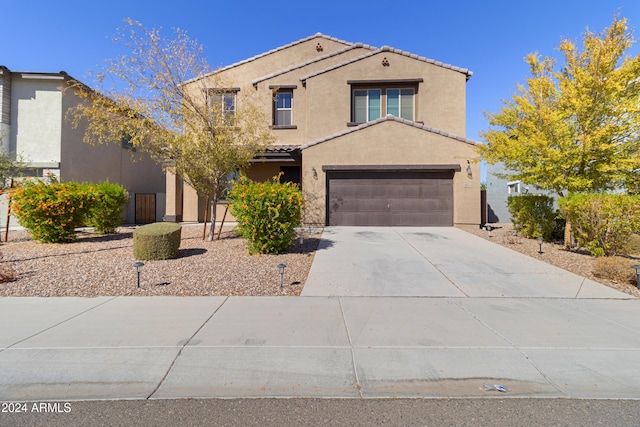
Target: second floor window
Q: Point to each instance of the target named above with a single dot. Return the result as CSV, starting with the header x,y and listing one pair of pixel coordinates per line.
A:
x,y
283,113
366,105
223,103
394,98
400,103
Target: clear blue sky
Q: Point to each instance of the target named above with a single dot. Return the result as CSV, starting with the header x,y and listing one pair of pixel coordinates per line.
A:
x,y
490,38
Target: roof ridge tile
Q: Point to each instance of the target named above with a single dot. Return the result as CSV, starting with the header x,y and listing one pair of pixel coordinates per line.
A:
x,y
269,52
393,50
311,61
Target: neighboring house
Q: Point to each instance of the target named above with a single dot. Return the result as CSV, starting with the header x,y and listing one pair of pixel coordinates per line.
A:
x,y
33,125
374,136
499,190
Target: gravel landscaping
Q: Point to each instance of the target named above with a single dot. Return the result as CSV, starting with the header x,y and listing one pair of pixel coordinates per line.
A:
x,y
103,265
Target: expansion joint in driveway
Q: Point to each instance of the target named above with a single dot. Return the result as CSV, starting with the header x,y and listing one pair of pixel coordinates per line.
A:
x,y
173,362
432,264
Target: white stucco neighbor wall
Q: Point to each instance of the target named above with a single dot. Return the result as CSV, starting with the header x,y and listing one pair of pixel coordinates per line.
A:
x,y
38,122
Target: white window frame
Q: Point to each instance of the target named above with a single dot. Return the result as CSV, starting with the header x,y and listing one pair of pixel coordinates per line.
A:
x,y
276,109
514,187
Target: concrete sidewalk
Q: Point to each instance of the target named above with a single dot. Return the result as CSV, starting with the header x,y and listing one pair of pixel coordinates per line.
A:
x,y
481,325
173,347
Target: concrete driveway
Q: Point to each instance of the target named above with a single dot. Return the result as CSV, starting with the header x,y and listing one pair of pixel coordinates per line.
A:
x,y
435,262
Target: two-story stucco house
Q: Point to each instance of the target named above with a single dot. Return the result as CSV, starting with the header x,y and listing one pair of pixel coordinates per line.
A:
x,y
374,136
32,124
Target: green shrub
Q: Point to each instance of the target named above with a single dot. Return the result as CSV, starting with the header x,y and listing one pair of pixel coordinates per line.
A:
x,y
157,241
267,213
533,216
105,211
602,223
51,212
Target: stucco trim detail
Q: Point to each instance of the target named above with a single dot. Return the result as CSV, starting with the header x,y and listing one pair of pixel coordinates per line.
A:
x,y
389,168
385,119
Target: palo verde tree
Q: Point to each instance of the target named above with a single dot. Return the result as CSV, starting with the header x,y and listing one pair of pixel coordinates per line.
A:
x,y
573,128
162,101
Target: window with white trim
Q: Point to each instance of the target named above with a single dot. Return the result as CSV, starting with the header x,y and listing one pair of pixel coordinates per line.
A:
x,y
283,108
514,187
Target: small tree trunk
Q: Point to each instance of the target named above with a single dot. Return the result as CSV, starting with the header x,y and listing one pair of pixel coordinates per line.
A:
x,y
226,209
206,217
567,234
214,204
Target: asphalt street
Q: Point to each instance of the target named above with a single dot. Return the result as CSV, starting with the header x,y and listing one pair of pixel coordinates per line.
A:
x,y
334,412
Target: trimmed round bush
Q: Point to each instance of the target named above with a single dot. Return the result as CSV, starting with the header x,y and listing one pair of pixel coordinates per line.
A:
x,y
160,240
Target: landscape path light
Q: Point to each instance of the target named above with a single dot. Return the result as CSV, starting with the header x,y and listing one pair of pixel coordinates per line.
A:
x,y
281,268
636,268
540,240
138,265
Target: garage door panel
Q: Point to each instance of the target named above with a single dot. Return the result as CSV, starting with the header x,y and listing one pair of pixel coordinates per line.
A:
x,y
390,198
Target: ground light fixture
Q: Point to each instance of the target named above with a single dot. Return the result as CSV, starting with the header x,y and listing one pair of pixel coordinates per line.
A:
x,y
540,240
138,265
489,229
281,268
636,268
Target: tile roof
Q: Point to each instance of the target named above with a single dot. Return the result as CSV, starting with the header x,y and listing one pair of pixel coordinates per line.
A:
x,y
320,58
282,148
385,119
465,71
253,58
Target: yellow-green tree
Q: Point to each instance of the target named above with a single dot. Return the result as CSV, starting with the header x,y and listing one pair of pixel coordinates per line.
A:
x,y
159,97
573,128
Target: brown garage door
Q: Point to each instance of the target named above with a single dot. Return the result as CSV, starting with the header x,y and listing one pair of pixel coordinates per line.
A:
x,y
386,198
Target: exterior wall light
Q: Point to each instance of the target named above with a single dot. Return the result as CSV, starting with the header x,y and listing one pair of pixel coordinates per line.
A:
x,y
138,266
469,173
281,268
636,268
314,172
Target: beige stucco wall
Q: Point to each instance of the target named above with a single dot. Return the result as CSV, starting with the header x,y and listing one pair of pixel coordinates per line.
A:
x,y
83,162
389,143
440,100
243,74
322,107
